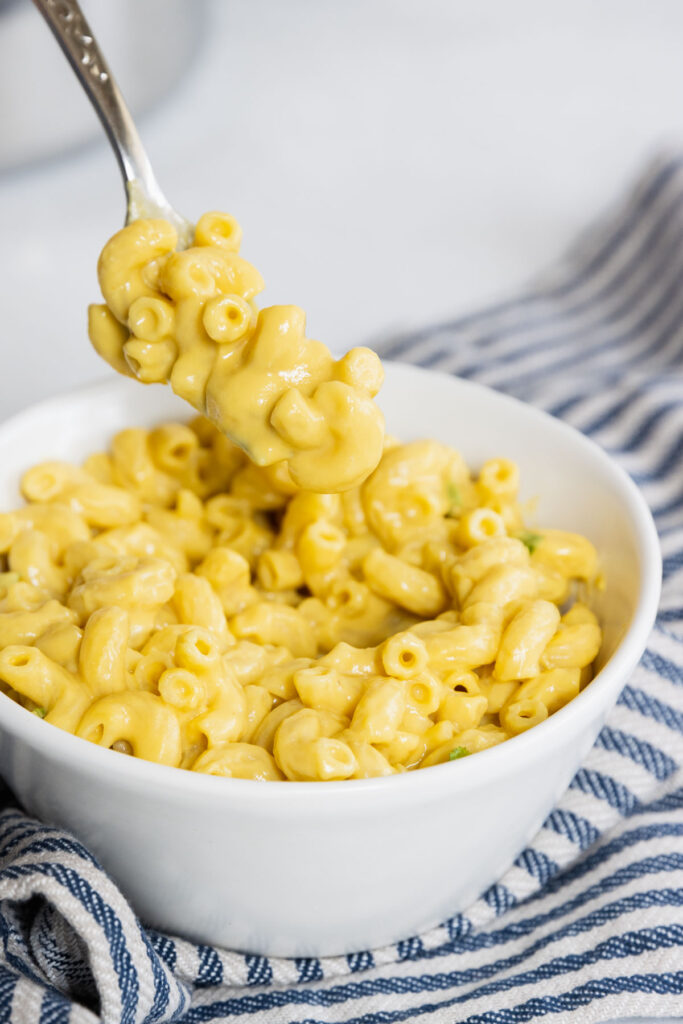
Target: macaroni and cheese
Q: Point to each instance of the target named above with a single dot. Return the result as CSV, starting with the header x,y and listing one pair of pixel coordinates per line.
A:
x,y
171,600
188,318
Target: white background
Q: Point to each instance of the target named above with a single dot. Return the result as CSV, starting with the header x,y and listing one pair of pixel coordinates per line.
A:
x,y
392,162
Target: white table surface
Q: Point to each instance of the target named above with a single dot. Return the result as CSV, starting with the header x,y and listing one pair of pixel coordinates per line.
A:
x,y
392,162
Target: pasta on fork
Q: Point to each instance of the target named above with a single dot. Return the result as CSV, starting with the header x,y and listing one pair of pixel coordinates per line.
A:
x,y
189,319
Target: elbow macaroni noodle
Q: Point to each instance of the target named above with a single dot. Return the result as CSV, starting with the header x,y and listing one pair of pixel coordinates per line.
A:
x,y
188,318
173,601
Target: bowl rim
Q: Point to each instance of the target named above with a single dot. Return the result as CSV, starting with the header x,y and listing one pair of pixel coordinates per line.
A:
x,y
133,772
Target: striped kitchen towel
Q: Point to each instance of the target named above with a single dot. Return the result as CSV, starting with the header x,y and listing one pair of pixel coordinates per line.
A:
x,y
588,924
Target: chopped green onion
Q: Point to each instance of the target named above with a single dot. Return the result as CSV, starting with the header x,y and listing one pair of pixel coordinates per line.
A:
x,y
454,498
457,752
41,712
530,540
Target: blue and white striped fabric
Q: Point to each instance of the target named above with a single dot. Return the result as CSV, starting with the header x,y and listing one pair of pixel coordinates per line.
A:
x,y
588,923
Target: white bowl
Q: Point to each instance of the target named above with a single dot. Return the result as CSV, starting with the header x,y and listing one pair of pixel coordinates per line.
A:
x,y
300,868
49,114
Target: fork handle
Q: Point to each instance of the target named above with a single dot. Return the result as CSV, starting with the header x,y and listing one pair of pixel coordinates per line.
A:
x,y
80,47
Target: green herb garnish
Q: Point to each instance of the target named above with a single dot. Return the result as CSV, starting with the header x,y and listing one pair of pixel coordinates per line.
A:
x,y
454,499
41,712
458,752
530,540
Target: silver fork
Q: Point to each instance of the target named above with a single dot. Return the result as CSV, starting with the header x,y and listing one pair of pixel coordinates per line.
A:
x,y
143,195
